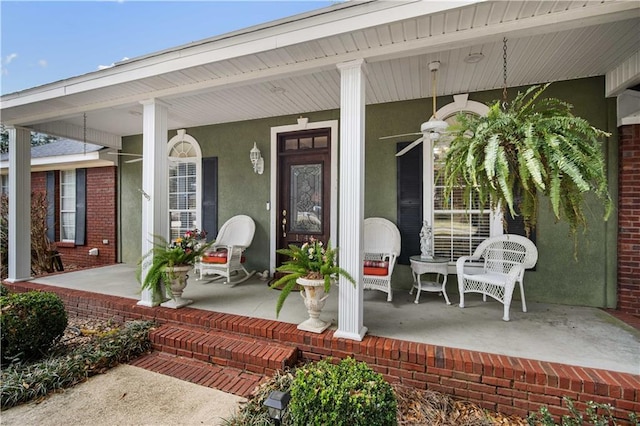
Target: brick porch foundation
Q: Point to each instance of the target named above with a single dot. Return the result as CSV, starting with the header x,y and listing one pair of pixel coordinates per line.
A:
x,y
503,383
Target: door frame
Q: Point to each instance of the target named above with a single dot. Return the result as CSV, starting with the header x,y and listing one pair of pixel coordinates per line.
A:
x,y
302,124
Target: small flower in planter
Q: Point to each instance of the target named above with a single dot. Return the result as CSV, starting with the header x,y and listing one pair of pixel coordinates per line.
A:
x,y
312,261
183,251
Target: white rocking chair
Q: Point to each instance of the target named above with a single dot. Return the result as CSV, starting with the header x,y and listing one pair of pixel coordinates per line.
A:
x,y
381,249
226,256
502,260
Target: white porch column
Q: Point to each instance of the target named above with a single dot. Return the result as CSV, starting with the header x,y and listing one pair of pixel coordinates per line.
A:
x,y
351,216
155,181
19,204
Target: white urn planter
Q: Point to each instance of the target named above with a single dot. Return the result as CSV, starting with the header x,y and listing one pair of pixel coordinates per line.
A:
x,y
314,299
178,276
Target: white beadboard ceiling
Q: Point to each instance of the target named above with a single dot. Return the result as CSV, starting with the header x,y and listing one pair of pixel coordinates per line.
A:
x,y
547,41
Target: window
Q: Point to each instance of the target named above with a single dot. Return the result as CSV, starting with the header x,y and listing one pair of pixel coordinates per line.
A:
x,y
456,231
184,184
182,198
68,205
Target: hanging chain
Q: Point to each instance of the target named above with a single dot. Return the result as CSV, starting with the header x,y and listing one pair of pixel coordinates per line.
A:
x,y
433,92
84,129
504,70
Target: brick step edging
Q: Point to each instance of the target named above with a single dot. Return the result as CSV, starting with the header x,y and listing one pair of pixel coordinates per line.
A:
x,y
223,348
226,379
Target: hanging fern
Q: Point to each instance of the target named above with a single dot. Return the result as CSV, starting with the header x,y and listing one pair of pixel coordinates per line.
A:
x,y
529,147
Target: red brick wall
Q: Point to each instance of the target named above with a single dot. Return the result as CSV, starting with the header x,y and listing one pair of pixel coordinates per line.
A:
x,y
503,383
101,218
629,220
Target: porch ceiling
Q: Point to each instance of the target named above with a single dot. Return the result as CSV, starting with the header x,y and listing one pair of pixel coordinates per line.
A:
x,y
289,65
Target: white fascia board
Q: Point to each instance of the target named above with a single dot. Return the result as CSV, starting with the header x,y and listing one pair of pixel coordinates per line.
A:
x,y
64,162
628,108
316,27
69,131
625,75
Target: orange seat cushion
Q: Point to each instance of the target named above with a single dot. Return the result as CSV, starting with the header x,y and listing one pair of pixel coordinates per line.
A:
x,y
219,256
372,267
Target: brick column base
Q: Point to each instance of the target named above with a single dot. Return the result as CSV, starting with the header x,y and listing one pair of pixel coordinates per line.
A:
x,y
629,220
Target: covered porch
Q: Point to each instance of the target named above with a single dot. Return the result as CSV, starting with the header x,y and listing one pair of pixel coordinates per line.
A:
x,y
573,335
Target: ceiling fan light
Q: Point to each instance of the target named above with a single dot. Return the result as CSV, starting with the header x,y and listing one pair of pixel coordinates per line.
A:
x,y
433,126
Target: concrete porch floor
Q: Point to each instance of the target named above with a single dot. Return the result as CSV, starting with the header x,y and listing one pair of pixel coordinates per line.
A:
x,y
581,336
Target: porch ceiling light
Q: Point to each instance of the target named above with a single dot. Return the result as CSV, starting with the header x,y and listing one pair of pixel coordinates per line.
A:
x,y
256,160
473,58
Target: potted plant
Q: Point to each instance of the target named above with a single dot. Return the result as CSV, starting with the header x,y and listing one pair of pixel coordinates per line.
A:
x,y
170,263
313,267
523,149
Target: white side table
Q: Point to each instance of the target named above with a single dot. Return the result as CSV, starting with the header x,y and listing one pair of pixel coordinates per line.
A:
x,y
436,265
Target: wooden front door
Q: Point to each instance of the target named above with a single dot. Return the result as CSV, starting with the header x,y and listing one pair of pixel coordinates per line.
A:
x,y
304,190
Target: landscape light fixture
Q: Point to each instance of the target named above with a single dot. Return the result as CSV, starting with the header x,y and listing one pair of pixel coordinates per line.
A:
x,y
276,403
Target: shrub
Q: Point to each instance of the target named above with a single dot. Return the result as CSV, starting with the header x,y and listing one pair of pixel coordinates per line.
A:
x,y
21,383
3,290
347,393
41,247
30,324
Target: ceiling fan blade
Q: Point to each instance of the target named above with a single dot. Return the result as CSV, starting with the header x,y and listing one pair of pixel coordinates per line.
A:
x,y
124,153
135,160
402,135
410,146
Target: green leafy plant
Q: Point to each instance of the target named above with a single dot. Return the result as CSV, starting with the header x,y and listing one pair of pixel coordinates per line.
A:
x,y
528,147
346,393
23,382
595,414
183,251
312,260
31,323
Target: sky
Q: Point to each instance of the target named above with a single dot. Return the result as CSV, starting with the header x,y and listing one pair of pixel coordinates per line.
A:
x,y
47,41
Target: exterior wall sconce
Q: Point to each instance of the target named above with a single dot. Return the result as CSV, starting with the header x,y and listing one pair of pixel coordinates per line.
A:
x,y
256,160
276,404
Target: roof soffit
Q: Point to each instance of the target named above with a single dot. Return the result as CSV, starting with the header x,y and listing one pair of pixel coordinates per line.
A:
x,y
422,35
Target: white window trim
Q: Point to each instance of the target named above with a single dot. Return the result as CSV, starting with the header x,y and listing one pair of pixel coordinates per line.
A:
x,y
182,136
62,193
461,103
4,185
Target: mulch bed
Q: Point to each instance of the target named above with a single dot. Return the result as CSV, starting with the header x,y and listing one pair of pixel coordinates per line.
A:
x,y
425,407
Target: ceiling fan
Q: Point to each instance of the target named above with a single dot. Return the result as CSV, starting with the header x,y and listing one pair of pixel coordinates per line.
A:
x,y
429,129
135,160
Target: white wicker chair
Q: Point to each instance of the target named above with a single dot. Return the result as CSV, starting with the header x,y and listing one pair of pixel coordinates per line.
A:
x,y
381,249
226,256
502,260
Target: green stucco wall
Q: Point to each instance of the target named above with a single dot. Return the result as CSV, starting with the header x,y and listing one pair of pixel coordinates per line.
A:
x,y
589,280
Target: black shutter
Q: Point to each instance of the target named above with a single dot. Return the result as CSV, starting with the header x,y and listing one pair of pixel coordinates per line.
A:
x,y
81,206
51,205
210,196
515,225
409,201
